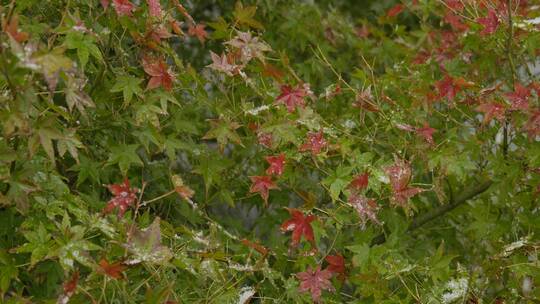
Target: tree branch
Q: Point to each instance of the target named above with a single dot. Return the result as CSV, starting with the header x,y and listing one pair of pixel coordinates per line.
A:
x,y
418,221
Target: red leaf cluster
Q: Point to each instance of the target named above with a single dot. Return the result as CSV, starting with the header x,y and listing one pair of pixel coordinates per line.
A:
x,y
300,225
124,197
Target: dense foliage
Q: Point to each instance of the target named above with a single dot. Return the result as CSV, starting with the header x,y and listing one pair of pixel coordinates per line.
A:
x,y
269,151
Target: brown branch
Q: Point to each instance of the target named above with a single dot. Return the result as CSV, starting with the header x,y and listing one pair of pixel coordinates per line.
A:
x,y
461,198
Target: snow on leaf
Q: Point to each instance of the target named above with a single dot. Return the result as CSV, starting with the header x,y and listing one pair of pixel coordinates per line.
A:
x,y
276,164
490,23
365,207
292,98
400,175
519,98
123,7
250,47
315,143
262,185
159,72
315,281
145,245
222,64
300,225
124,197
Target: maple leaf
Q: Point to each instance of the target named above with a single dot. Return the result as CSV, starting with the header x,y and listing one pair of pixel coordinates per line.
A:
x,y
124,196
400,175
276,164
336,265
314,282
123,7
156,33
315,143
105,3
426,132
395,10
183,190
262,184
367,208
12,29
224,131
159,72
519,98
250,47
455,22
490,23
455,5
222,64
292,98
145,245
256,246
492,110
155,8
532,126
271,71
265,139
447,88
114,270
198,31
300,225
69,288
359,182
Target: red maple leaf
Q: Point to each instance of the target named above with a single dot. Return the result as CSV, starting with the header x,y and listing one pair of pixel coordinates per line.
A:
x,y
198,31
426,132
367,208
276,164
315,143
532,126
114,270
447,88
124,196
12,29
395,10
292,98
159,72
104,3
69,288
455,5
314,282
265,139
300,225
519,98
262,185
400,174
455,22
123,7
492,110
490,23
155,8
359,182
336,265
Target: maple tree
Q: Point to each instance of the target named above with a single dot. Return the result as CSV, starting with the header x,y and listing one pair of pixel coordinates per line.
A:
x,y
171,151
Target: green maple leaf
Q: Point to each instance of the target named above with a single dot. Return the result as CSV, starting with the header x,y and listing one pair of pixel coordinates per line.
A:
x,y
128,85
243,15
125,156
